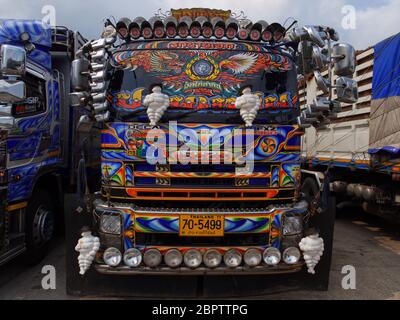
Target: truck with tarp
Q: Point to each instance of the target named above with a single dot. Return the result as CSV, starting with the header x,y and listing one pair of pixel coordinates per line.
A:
x,y
200,123
361,146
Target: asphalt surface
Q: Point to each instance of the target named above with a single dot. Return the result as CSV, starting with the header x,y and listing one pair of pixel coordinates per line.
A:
x,y
369,244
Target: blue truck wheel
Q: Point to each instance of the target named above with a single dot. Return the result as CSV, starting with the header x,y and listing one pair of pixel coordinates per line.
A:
x,y
40,225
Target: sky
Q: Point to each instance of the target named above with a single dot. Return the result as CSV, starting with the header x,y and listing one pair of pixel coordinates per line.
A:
x,y
360,23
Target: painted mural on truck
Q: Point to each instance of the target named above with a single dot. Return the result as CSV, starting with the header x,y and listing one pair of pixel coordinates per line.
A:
x,y
201,75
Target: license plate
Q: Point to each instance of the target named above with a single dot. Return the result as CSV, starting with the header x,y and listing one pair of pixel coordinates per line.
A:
x,y
201,225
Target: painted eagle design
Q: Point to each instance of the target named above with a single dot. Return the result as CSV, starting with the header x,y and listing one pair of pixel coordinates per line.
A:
x,y
239,63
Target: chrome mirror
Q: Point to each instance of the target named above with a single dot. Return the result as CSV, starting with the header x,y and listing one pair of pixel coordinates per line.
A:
x,y
84,124
344,57
97,87
12,91
324,104
315,36
79,99
322,83
298,34
319,59
13,60
80,74
7,122
98,76
347,90
305,57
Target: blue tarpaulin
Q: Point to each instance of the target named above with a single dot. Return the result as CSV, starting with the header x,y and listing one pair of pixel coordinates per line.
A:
x,y
386,79
385,107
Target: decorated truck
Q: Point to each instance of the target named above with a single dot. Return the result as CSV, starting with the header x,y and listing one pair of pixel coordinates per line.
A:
x,y
200,123
361,146
36,128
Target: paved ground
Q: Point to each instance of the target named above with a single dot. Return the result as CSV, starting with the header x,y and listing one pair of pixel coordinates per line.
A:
x,y
369,244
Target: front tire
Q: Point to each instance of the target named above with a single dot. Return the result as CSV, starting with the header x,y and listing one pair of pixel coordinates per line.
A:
x,y
40,226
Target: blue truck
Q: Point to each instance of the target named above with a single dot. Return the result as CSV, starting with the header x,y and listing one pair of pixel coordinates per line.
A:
x,y
36,134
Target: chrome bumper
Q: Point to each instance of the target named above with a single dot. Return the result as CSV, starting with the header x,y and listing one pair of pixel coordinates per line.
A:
x,y
260,270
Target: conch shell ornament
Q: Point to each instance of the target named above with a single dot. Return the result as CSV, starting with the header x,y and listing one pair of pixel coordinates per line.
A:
x,y
156,104
312,247
87,247
248,103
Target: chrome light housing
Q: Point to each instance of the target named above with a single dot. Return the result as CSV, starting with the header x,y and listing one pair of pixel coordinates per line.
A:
x,y
152,258
193,258
252,257
173,258
112,257
110,223
133,257
272,256
212,258
291,255
292,225
232,258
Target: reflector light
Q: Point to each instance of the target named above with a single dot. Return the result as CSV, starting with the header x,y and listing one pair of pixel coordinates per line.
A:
x,y
230,33
147,33
159,32
243,34
278,36
171,32
122,28
219,32
255,35
195,32
135,33
267,36
207,32
183,31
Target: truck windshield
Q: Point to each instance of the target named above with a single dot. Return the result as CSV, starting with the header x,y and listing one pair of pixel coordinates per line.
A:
x,y
203,80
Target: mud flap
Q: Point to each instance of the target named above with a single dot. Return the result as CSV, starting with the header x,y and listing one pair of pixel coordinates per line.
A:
x,y
96,284
325,222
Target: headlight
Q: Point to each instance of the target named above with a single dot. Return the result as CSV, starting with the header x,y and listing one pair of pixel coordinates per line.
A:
x,y
132,257
192,258
292,225
212,258
112,257
291,255
110,223
152,258
232,258
173,258
252,257
272,256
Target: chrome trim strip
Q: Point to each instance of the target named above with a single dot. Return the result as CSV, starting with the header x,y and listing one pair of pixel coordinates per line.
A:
x,y
123,270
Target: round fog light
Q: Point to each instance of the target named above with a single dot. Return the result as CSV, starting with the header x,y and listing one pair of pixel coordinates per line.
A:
x,y
232,258
132,257
252,257
173,258
212,258
291,255
192,258
152,258
272,256
112,257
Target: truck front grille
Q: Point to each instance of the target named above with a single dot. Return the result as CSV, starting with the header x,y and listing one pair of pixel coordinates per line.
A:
x,y
158,239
